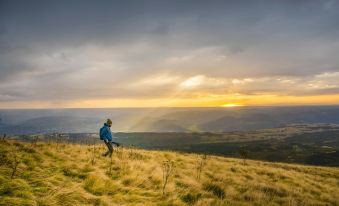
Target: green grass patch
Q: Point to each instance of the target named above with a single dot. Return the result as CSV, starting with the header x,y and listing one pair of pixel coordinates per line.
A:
x,y
215,189
191,198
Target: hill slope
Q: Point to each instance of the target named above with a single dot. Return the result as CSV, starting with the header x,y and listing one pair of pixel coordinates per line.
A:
x,y
65,174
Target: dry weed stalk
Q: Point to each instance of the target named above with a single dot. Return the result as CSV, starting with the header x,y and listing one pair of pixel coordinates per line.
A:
x,y
35,140
3,137
14,163
110,165
200,164
58,141
120,152
243,154
167,168
93,154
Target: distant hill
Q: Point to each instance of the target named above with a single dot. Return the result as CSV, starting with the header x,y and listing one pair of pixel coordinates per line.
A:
x,y
158,125
163,119
49,124
251,118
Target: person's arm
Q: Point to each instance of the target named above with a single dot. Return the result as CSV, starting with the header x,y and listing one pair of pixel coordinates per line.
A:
x,y
109,135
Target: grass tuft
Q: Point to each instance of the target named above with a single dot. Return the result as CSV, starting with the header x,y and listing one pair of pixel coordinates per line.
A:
x,y
215,189
191,198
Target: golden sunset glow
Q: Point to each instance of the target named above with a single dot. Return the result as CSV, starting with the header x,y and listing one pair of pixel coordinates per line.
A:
x,y
231,105
202,101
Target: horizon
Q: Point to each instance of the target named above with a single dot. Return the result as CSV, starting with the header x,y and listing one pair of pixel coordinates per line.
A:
x,y
179,107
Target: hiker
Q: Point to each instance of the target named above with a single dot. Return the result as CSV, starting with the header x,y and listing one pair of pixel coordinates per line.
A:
x,y
106,135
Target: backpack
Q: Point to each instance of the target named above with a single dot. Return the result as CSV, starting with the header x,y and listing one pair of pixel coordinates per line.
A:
x,y
102,133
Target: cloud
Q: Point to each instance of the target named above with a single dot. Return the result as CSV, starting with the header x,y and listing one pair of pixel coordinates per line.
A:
x,y
69,51
324,83
203,82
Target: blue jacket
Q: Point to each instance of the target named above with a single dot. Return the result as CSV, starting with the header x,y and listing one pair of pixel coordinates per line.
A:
x,y
105,133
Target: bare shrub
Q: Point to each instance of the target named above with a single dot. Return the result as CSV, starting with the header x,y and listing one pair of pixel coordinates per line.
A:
x,y
243,154
201,162
11,157
35,140
13,162
120,152
60,140
167,168
135,155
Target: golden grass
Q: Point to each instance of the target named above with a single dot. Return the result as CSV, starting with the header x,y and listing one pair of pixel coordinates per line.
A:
x,y
66,175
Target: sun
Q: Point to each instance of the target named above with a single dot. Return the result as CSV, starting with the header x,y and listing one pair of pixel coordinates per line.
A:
x,y
231,105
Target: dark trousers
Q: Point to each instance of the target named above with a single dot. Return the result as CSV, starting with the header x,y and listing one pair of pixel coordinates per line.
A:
x,y
109,145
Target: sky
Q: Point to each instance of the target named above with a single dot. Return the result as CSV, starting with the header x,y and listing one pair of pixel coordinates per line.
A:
x,y
185,53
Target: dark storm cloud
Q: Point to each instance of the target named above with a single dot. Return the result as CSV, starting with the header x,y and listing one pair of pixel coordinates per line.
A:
x,y
81,49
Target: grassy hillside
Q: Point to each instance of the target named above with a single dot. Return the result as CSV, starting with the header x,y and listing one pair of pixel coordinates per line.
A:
x,y
66,174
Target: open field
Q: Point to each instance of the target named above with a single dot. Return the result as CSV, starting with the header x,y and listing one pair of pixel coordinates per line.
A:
x,y
71,174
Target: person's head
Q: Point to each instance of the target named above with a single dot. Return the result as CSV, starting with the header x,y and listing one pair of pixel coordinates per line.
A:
x,y
109,122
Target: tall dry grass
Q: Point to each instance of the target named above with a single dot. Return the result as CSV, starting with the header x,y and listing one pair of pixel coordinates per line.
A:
x,y
64,174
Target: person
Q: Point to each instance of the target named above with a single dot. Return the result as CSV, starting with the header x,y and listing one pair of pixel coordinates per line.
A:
x,y
106,136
